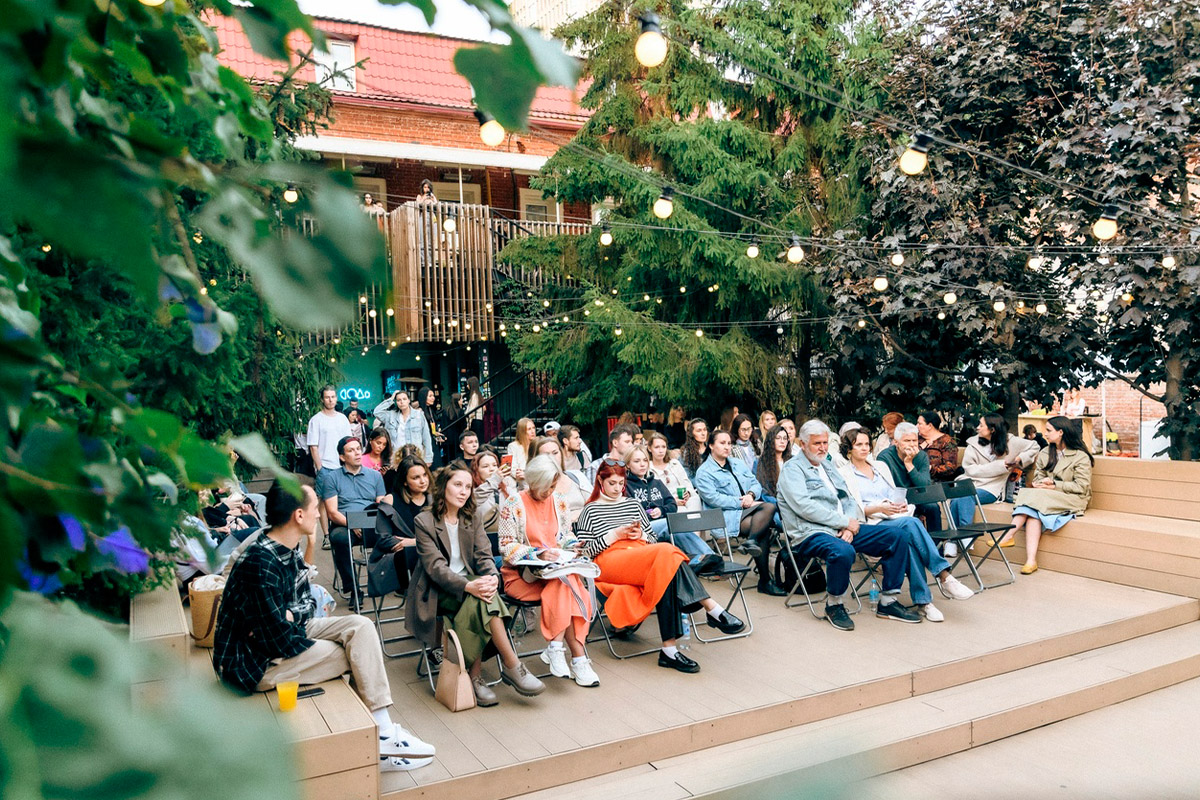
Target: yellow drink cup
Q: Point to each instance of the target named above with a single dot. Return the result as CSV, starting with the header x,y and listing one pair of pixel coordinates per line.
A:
x,y
287,694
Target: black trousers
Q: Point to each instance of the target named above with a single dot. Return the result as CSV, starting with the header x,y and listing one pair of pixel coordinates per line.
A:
x,y
683,596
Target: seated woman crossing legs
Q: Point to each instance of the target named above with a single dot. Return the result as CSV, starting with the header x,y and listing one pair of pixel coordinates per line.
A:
x,y
656,500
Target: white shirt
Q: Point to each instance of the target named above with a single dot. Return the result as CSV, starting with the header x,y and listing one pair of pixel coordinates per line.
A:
x,y
324,432
456,560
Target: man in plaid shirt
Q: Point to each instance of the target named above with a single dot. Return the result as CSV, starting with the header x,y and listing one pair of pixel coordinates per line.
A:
x,y
267,631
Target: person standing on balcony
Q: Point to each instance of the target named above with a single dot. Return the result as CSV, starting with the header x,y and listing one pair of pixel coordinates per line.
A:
x,y
473,407
425,195
405,424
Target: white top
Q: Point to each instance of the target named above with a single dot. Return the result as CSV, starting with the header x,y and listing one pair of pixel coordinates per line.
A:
x,y
456,560
324,432
882,443
673,476
519,457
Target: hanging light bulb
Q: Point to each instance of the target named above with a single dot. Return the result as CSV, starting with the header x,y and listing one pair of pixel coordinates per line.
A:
x,y
950,298
491,132
664,206
682,289
999,305
1021,304
537,328
291,194
1035,262
1041,308
46,248
795,253
752,250
651,47
1106,227
437,321
391,344
941,315
880,284
545,304
362,298
371,313
699,333
1127,297
450,224
916,157
862,323
605,235
1168,261
645,297
779,330
897,259
418,358
391,312
153,3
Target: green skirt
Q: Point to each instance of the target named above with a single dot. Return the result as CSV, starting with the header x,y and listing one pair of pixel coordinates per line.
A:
x,y
469,618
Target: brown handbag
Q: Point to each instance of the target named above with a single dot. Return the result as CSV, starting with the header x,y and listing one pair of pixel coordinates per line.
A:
x,y
454,689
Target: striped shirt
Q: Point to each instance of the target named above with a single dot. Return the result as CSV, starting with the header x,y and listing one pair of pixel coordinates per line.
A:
x,y
597,524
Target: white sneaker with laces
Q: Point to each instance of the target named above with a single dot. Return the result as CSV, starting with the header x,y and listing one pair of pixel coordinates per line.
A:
x,y
950,550
402,743
583,672
930,612
953,587
556,659
401,764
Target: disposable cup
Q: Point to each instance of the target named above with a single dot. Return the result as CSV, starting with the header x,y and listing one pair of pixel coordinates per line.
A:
x,y
287,694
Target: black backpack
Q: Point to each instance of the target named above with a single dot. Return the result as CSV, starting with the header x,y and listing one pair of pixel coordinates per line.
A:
x,y
785,575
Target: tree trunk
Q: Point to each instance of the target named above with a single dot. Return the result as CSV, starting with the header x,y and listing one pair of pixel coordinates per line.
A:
x,y
1181,444
1012,404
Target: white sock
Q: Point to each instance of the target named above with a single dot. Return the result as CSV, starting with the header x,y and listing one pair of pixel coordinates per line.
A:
x,y
716,612
835,600
578,659
886,600
554,645
671,651
386,726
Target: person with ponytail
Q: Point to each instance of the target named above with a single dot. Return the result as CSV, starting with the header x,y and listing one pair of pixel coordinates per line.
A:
x,y
1061,488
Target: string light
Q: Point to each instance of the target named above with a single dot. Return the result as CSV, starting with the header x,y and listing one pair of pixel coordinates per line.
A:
x,y
546,303
488,306
391,344
916,157
1106,227
950,298
203,290
337,340
699,333
651,46
430,305
418,358
779,330
1041,308
332,360
291,194
606,237
880,284
1021,304
1168,261
682,289
752,250
198,237
645,297
941,315
1127,297
46,248
664,206
153,3
537,328
371,313
862,323
1035,262
437,321
999,305
897,259
453,323
450,224
391,312
614,291
466,326
566,318
795,253
362,298
617,331
491,132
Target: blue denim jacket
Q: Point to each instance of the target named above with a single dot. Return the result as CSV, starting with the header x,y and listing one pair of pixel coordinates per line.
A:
x,y
719,489
806,503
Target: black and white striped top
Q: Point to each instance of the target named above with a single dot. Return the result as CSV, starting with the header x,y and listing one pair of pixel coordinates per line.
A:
x,y
600,519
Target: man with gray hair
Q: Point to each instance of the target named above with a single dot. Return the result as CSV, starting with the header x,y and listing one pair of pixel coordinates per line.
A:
x,y
820,520
909,465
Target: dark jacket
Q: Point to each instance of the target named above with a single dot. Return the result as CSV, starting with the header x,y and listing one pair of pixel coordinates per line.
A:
x,y
650,492
903,478
433,575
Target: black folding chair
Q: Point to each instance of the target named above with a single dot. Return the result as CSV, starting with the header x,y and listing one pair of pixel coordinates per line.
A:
x,y
785,551
735,573
992,532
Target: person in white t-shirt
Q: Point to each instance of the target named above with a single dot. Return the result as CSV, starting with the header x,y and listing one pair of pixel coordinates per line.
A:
x,y
326,428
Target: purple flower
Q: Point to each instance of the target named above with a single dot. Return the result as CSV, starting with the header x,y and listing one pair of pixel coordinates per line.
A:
x,y
76,536
199,312
206,337
127,555
37,581
167,290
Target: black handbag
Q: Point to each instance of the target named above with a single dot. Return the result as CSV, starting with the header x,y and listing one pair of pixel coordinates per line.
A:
x,y
785,575
381,576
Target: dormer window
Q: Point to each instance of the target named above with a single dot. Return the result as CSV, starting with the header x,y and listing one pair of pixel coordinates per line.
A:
x,y
335,69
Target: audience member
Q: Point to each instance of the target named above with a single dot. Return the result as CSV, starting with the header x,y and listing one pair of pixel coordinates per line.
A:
x,y
456,581
350,488
777,451
909,467
1061,489
266,629
521,449
468,445
890,421
395,521
695,449
676,428
325,429
378,455
405,423
568,485
474,407
789,425
672,474
993,458
551,429
880,502
941,449
725,421
1030,432
1073,403
820,520
620,439
639,575
766,421
535,525
727,484
657,501
493,485
746,443
358,426
576,456
427,401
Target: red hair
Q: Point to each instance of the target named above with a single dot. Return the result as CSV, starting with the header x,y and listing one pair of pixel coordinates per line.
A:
x,y
606,471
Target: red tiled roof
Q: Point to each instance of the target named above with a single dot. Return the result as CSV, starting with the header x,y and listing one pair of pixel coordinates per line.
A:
x,y
401,66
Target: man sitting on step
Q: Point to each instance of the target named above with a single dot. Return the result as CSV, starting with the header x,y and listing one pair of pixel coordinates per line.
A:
x,y
819,518
267,632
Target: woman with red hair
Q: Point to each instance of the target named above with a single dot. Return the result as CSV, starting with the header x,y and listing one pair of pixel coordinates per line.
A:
x,y
638,574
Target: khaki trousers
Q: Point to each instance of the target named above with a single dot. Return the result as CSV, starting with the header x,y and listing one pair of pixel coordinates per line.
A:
x,y
342,644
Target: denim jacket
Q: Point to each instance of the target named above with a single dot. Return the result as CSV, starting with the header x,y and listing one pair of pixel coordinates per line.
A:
x,y
806,503
721,490
414,431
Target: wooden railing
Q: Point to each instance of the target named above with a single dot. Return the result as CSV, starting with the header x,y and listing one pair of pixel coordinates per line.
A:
x,y
442,275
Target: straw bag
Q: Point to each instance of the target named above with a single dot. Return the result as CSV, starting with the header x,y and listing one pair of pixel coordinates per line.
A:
x,y
204,596
454,689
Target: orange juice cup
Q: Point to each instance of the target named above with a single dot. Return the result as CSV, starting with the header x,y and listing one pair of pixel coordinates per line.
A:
x,y
287,694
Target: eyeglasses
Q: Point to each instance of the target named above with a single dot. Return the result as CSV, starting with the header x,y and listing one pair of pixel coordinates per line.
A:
x,y
614,462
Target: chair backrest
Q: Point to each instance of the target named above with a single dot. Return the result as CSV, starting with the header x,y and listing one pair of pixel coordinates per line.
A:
x,y
363,521
963,487
710,519
926,495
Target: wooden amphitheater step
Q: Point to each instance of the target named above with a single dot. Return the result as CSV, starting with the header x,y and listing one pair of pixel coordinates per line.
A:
x,y
822,757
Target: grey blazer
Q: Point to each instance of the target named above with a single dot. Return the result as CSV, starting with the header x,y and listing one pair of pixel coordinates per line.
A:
x,y
433,575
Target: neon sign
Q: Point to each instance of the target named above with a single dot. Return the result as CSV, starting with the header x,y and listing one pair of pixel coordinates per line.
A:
x,y
353,393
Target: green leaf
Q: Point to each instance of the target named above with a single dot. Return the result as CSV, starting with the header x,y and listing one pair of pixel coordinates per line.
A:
x,y
255,450
504,80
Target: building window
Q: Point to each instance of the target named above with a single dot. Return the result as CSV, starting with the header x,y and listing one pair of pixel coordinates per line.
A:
x,y
335,69
448,192
536,208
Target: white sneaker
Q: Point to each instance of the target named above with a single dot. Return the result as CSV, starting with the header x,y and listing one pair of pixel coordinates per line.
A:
x,y
556,658
953,587
930,612
583,673
403,743
400,764
950,550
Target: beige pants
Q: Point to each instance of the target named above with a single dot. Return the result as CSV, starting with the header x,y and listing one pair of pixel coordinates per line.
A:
x,y
342,644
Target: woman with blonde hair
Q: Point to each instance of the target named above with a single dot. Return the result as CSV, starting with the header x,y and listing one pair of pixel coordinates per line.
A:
x,y
521,448
672,474
566,486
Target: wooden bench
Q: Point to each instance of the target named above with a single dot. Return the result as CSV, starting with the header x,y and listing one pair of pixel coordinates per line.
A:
x,y
335,737
1142,528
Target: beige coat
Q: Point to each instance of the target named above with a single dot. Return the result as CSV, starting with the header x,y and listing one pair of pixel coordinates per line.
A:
x,y
989,472
433,574
1072,490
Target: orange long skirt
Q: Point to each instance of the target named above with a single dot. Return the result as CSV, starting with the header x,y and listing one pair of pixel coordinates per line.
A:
x,y
559,606
634,575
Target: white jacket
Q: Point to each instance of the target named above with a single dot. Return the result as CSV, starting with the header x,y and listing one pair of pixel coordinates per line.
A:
x,y
991,473
847,471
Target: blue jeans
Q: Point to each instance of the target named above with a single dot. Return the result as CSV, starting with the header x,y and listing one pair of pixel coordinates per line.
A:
x,y
922,555
882,541
962,509
690,543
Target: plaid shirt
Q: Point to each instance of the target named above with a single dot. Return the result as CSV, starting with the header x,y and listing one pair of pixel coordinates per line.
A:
x,y
266,582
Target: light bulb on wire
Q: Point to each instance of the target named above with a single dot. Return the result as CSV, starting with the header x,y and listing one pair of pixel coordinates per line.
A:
x,y
1168,261
153,3
490,131
752,250
291,194
999,305
795,253
941,315
916,157
605,235
949,298
1106,227
897,259
664,206
1041,308
1035,262
651,46
880,284
450,224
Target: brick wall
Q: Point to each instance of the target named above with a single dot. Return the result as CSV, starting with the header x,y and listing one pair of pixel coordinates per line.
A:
x,y
450,129
1124,407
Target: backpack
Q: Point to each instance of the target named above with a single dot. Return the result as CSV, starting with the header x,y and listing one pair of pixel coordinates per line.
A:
x,y
785,575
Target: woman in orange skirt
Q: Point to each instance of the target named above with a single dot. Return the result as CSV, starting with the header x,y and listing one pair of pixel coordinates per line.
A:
x,y
638,574
536,525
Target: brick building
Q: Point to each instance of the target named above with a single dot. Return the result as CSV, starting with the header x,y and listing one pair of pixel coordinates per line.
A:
x,y
1126,412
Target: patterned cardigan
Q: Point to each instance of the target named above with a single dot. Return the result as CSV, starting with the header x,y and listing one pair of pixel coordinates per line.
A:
x,y
514,541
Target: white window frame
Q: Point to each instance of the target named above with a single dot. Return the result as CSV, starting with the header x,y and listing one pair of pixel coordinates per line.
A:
x,y
341,55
